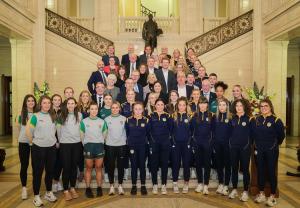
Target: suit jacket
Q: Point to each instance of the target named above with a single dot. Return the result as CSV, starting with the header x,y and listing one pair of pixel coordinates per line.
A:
x,y
171,82
94,78
138,96
125,59
212,97
189,90
143,59
105,59
94,98
127,68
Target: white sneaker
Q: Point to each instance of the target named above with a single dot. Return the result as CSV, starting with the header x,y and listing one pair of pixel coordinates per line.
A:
x,y
54,187
185,188
193,174
199,188
260,198
37,201
155,189
111,190
164,190
120,190
244,196
220,189
175,188
205,190
59,187
225,191
125,175
106,178
24,193
271,202
49,196
233,194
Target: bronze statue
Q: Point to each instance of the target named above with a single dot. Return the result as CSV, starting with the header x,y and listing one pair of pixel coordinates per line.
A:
x,y
150,32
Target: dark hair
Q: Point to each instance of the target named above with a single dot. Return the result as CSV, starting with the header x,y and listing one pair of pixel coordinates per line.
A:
x,y
157,82
65,112
56,95
197,114
146,72
221,84
213,75
165,58
190,49
246,106
176,92
93,103
51,112
190,73
24,112
159,100
269,102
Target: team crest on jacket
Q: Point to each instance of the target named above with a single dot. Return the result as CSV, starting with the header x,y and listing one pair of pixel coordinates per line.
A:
x,y
244,124
207,119
269,124
186,121
164,119
226,120
142,125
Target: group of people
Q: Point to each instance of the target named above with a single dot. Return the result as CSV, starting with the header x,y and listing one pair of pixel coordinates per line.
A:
x,y
149,111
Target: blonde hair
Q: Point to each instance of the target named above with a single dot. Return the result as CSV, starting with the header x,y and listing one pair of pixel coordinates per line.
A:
x,y
188,108
148,105
81,105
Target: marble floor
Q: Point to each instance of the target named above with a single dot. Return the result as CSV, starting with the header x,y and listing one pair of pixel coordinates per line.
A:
x,y
10,190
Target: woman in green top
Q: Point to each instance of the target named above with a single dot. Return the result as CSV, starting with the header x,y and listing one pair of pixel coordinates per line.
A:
x,y
106,110
220,88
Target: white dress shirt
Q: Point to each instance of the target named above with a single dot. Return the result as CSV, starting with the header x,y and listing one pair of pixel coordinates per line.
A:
x,y
100,96
206,94
166,73
182,91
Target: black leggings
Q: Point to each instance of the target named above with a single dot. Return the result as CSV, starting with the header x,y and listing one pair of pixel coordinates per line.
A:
x,y
69,156
42,157
115,154
57,166
24,155
81,160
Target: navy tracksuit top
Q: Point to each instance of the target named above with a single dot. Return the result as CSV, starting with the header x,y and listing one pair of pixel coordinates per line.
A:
x,y
201,127
160,127
137,131
269,132
181,128
126,109
221,128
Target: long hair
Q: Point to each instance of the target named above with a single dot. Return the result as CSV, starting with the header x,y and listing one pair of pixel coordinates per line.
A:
x,y
65,112
197,113
188,109
227,109
148,107
269,102
24,112
81,106
246,106
51,111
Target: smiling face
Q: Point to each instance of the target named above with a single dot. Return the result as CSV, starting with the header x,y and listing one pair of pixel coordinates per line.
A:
x,y
30,103
56,101
206,86
93,110
68,93
182,107
219,92
159,106
203,107
138,110
196,95
152,98
100,88
201,72
157,87
265,109
45,105
237,92
173,97
239,108
71,105
222,106
108,101
130,96
85,97
115,109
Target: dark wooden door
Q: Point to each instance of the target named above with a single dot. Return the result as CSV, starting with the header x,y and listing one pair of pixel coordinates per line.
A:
x,y
289,103
7,104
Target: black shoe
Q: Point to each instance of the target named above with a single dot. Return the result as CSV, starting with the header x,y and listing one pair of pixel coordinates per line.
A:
x,y
133,190
99,191
89,193
144,190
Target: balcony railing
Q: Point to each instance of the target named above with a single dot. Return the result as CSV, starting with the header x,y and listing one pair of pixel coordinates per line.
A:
x,y
145,11
222,34
76,33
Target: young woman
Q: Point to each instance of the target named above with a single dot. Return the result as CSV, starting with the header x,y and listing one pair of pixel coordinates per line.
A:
x,y
157,88
28,108
116,148
93,132
137,131
68,132
112,68
106,110
57,106
220,88
110,86
181,148
173,97
160,134
151,79
127,106
221,135
40,130
121,77
201,127
174,59
150,105
143,75
194,100
240,146
269,131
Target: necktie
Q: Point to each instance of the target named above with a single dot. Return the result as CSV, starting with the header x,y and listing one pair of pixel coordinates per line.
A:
x,y
103,77
100,100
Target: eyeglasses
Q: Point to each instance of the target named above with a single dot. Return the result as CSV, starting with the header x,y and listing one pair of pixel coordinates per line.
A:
x,y
264,106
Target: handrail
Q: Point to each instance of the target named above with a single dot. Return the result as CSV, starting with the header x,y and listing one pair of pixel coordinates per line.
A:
x,y
145,11
76,33
222,34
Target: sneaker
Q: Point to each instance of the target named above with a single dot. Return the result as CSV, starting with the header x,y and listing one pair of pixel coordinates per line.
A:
x,y
89,193
205,190
175,188
120,190
125,175
199,188
185,188
67,195
99,191
49,196
37,201
271,202
260,198
111,190
133,190
164,190
106,178
244,196
155,189
233,194
74,194
24,193
144,190
220,189
59,187
54,187
225,191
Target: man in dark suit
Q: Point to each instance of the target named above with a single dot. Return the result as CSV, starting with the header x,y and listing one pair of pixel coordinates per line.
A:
x,y
110,53
98,97
96,76
150,64
132,65
147,53
125,58
206,91
166,77
183,89
135,76
129,85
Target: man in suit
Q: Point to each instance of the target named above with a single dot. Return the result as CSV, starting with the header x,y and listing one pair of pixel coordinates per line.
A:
x,y
96,76
147,53
150,64
135,76
183,89
110,53
206,91
166,77
98,97
132,65
129,85
125,58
